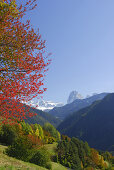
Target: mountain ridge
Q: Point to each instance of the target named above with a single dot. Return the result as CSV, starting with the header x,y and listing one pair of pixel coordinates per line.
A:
x,y
64,111
93,124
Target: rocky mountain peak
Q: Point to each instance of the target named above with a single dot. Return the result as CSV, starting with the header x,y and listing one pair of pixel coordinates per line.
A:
x,y
73,96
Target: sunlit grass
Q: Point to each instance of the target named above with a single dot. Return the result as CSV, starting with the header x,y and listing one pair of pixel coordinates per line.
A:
x,y
9,163
51,148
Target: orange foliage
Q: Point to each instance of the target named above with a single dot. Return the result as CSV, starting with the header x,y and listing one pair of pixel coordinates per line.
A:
x,y
95,156
36,142
65,137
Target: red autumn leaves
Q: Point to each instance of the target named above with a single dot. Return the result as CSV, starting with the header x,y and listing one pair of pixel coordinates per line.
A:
x,y
23,61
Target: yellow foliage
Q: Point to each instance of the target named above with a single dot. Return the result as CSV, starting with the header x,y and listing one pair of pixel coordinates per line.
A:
x,y
105,164
37,132
95,156
82,165
89,168
6,7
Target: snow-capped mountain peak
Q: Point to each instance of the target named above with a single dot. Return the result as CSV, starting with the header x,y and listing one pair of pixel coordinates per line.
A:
x,y
43,105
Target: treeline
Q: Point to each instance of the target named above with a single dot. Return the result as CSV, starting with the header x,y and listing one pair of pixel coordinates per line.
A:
x,y
76,154
25,142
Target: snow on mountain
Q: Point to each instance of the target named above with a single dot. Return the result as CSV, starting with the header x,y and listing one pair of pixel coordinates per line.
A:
x,y
73,96
43,105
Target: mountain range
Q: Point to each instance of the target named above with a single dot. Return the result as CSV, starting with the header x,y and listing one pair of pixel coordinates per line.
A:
x,y
49,105
43,105
79,103
94,124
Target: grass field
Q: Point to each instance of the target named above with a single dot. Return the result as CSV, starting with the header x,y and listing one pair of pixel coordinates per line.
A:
x,y
9,163
51,148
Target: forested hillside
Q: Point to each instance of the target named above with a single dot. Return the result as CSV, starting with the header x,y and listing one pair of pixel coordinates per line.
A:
x,y
41,117
94,124
76,154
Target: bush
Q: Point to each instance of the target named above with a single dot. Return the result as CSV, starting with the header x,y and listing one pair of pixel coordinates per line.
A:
x,y
20,149
41,158
54,158
52,130
49,165
51,140
7,135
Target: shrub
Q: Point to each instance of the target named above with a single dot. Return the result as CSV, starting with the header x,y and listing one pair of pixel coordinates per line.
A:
x,y
49,165
7,135
51,140
20,149
52,130
41,158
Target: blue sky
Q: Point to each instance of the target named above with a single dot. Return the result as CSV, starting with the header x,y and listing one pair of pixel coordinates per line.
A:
x,y
80,36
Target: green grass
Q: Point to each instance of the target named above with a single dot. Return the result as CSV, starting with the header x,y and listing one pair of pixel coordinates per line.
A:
x,y
113,167
57,166
9,163
51,148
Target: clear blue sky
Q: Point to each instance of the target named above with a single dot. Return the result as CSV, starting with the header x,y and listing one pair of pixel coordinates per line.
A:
x,y
80,36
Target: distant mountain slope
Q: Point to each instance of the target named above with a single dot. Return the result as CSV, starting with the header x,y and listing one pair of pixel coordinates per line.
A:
x,y
94,124
64,111
41,117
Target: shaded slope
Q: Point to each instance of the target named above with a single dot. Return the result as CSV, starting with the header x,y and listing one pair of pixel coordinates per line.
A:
x,y
64,111
41,117
94,124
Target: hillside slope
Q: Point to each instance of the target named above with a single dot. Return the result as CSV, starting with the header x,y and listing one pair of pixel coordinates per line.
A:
x,y
10,163
7,162
94,124
41,117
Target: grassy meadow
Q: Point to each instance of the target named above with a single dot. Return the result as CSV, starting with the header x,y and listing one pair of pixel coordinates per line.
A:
x,y
9,163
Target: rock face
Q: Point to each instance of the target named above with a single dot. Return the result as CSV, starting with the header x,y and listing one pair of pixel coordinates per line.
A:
x,y
73,96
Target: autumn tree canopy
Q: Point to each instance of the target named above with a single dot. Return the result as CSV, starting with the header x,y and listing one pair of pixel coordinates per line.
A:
x,y
23,61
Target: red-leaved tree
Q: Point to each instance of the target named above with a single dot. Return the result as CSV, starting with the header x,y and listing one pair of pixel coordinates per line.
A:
x,y
23,61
